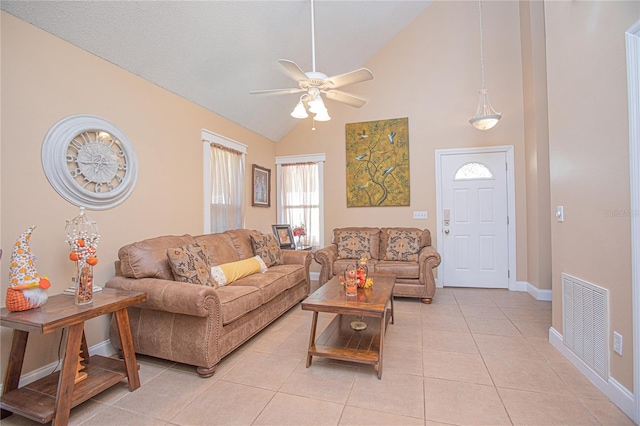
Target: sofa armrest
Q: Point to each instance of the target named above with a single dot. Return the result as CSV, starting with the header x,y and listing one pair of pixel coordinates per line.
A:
x,y
296,257
171,296
299,257
326,257
428,259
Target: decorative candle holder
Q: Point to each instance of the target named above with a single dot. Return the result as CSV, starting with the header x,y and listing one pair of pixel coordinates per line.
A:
x,y
351,283
82,236
362,271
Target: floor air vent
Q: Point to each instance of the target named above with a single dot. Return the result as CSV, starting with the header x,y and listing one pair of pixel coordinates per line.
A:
x,y
585,322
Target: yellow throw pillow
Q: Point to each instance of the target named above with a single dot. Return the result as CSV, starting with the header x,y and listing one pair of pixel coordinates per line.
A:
x,y
229,272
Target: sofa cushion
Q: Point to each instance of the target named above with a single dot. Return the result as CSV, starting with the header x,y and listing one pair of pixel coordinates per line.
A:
x,y
401,269
353,245
235,301
191,264
241,239
403,245
271,283
229,272
220,248
148,258
266,246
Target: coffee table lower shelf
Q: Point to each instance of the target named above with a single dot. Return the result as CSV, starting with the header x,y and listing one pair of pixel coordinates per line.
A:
x,y
37,400
339,341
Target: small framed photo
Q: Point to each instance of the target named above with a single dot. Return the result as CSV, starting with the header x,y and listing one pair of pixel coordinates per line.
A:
x,y
261,180
283,235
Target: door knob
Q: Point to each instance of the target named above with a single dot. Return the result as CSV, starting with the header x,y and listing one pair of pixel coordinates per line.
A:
x,y
446,231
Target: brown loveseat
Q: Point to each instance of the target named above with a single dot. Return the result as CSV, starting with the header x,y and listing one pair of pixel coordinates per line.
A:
x,y
199,324
405,252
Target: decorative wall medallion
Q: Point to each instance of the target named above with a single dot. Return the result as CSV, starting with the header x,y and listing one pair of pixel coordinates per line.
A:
x,y
89,162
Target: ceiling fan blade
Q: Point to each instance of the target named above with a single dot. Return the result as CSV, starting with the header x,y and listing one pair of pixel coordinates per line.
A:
x,y
276,91
293,70
345,98
352,77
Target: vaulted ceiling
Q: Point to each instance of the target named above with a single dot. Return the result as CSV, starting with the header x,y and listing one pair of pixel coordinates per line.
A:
x,y
213,53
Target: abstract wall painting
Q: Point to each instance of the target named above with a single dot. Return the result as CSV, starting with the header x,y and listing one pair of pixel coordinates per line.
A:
x,y
378,163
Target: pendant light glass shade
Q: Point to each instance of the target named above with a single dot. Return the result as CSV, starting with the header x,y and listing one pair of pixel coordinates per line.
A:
x,y
486,117
322,116
316,105
299,111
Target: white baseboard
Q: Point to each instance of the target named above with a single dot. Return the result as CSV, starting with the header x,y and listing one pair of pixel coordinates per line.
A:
x,y
103,348
524,286
617,393
534,291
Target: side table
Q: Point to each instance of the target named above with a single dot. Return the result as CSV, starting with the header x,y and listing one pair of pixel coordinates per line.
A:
x,y
52,397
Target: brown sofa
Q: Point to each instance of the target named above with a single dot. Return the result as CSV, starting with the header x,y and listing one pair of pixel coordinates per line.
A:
x,y
198,324
405,252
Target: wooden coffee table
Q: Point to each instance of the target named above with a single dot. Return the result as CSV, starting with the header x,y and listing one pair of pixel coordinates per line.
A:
x,y
339,340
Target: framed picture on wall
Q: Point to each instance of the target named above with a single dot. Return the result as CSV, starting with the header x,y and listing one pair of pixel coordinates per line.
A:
x,y
261,180
283,235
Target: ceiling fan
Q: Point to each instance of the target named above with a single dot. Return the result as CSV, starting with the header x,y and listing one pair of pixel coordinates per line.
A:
x,y
314,83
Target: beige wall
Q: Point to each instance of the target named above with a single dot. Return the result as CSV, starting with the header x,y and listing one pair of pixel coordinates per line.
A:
x,y
45,79
536,140
588,150
430,73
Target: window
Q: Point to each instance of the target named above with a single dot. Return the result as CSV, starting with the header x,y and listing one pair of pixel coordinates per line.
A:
x,y
473,171
223,183
300,194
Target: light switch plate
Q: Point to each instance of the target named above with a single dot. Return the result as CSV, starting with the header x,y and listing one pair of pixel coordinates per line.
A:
x,y
617,343
420,214
560,213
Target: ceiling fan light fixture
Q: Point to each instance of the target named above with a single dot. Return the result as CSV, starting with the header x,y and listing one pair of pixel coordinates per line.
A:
x,y
486,117
322,116
313,83
316,105
299,111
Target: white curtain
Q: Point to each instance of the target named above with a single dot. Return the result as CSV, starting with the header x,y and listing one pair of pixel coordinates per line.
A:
x,y
300,198
227,177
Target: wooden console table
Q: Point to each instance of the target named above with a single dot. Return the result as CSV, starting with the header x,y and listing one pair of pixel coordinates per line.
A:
x,y
52,397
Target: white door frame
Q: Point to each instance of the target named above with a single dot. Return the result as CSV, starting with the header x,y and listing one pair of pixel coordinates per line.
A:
x,y
511,205
633,76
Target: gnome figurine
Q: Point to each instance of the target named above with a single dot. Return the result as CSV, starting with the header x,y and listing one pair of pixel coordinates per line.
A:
x,y
26,289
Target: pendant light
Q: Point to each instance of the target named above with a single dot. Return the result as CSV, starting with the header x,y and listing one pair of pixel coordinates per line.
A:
x,y
486,117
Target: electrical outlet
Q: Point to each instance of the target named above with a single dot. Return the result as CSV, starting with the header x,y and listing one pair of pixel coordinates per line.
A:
x,y
420,214
617,343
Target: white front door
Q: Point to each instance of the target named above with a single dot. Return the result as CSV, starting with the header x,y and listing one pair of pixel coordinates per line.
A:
x,y
474,220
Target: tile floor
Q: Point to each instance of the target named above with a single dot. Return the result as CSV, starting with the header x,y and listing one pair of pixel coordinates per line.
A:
x,y
473,357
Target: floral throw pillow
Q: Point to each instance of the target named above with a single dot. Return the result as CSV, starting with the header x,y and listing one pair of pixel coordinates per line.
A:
x,y
353,245
266,246
191,264
403,245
